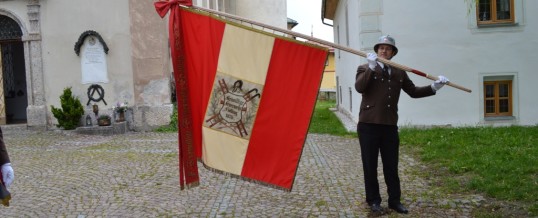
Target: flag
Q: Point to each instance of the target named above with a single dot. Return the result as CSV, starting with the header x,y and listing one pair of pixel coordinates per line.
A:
x,y
251,95
188,170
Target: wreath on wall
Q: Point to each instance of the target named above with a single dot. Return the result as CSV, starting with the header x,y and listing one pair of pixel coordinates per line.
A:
x,y
83,36
100,94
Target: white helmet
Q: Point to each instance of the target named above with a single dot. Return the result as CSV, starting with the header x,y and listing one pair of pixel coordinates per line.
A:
x,y
386,40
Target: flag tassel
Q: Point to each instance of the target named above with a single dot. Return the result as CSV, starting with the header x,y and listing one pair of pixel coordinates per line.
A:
x,y
231,175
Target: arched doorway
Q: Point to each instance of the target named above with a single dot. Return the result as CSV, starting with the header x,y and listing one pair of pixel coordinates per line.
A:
x,y
13,90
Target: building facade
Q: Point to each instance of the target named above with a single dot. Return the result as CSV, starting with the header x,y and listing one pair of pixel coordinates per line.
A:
x,y
327,88
328,83
488,48
42,43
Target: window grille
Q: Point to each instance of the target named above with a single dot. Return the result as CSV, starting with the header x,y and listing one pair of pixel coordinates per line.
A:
x,y
9,29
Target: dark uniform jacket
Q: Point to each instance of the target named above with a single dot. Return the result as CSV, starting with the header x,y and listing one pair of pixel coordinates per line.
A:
x,y
380,93
4,158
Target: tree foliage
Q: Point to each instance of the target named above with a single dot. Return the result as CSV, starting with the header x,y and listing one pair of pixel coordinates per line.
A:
x,y
69,114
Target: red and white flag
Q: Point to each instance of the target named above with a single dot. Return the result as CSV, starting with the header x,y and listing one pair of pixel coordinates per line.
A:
x,y
250,94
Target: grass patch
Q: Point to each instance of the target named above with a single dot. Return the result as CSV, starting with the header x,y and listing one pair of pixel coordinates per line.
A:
x,y
170,155
324,121
499,161
103,146
321,203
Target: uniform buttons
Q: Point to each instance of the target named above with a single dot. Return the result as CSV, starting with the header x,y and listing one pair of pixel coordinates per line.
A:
x,y
389,96
389,105
367,106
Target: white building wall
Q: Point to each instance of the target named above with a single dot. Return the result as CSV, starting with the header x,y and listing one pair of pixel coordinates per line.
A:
x,y
60,31
441,38
15,10
138,61
271,12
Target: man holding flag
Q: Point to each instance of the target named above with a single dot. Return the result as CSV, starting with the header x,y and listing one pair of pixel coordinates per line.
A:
x,y
380,86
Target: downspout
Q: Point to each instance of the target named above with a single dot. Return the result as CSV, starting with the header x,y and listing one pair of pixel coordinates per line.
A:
x,y
323,3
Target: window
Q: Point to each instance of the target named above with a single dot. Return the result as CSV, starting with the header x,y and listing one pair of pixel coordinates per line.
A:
x,y
10,29
221,5
212,5
495,11
498,98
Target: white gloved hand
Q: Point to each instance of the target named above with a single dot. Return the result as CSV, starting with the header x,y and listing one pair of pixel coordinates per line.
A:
x,y
7,174
438,84
371,57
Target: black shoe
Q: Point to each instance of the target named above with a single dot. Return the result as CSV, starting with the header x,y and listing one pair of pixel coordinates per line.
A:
x,y
376,208
399,208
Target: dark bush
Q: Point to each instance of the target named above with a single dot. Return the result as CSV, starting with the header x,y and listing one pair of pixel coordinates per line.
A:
x,y
69,115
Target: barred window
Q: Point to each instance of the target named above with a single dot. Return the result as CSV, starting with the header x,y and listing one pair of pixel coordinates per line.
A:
x,y
495,11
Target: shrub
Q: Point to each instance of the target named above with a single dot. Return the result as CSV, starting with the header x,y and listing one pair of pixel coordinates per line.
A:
x,y
69,115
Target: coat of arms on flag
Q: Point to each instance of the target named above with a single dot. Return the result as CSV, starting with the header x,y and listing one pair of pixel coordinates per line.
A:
x,y
245,96
233,106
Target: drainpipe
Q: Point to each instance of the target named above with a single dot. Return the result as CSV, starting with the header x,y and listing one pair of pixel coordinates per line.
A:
x,y
323,14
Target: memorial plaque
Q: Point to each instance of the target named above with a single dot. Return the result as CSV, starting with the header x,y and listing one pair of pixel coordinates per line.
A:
x,y
93,61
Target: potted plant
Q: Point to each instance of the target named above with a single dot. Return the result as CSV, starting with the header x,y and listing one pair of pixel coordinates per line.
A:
x,y
120,108
103,120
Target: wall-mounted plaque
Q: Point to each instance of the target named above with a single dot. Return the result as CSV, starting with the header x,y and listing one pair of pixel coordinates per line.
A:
x,y
93,61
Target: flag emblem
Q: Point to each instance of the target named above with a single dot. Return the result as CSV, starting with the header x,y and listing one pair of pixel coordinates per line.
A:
x,y
233,106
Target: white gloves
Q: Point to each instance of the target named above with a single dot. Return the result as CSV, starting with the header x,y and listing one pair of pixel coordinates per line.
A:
x,y
438,84
371,57
7,174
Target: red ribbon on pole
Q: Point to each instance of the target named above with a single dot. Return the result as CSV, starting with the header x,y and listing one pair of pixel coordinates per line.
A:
x,y
188,169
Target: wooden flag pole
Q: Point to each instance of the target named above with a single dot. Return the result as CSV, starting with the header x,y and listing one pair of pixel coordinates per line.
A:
x,y
326,43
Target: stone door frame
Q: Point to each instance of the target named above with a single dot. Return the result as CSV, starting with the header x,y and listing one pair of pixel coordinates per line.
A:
x,y
33,59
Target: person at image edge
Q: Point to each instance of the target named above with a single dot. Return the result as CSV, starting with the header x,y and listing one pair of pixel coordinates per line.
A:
x,y
7,175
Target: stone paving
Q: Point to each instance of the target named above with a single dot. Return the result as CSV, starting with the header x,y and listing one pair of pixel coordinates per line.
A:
x,y
65,174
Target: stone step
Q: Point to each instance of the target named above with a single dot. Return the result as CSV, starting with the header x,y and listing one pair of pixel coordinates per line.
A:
x,y
14,127
113,129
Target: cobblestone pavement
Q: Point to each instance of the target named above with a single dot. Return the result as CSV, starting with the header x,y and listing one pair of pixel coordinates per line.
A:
x,y
64,174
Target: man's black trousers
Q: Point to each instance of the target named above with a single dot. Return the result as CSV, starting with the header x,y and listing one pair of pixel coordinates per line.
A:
x,y
384,139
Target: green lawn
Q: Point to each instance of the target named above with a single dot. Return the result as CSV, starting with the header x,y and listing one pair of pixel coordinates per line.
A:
x,y
324,121
499,161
